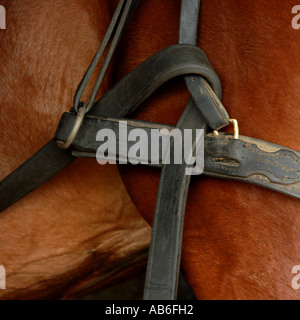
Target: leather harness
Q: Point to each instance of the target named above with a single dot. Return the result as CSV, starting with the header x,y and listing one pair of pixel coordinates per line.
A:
x,y
226,156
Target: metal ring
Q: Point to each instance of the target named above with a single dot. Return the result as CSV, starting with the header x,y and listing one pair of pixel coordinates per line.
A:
x,y
78,122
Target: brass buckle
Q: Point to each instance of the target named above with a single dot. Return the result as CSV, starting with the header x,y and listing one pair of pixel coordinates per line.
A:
x,y
236,131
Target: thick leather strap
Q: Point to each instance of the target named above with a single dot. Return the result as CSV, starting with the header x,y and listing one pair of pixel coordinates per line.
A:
x,y
249,160
138,85
42,166
253,161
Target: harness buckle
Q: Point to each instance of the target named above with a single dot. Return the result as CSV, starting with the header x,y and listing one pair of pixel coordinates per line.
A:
x,y
236,131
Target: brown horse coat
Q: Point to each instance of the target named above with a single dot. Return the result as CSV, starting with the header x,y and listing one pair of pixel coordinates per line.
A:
x,y
79,230
240,241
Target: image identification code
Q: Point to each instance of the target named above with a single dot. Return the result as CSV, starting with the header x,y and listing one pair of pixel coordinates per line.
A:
x,y
158,309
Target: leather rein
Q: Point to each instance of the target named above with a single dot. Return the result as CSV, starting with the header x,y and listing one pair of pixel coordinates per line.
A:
x,y
226,156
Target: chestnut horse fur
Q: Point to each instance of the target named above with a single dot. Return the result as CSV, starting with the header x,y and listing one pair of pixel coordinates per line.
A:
x,y
80,231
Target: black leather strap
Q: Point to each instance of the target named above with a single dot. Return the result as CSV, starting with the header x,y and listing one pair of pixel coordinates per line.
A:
x,y
113,34
126,96
253,161
138,85
166,240
42,166
208,104
212,111
48,161
246,159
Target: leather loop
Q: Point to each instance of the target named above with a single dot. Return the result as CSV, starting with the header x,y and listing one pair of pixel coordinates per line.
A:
x,y
138,85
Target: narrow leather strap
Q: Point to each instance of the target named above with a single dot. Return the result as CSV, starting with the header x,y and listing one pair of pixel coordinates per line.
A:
x,y
166,239
114,32
207,102
204,97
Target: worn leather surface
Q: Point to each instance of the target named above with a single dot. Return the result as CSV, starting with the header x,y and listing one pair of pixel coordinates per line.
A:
x,y
250,160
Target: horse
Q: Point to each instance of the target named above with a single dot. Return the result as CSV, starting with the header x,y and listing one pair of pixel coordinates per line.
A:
x,y
240,241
